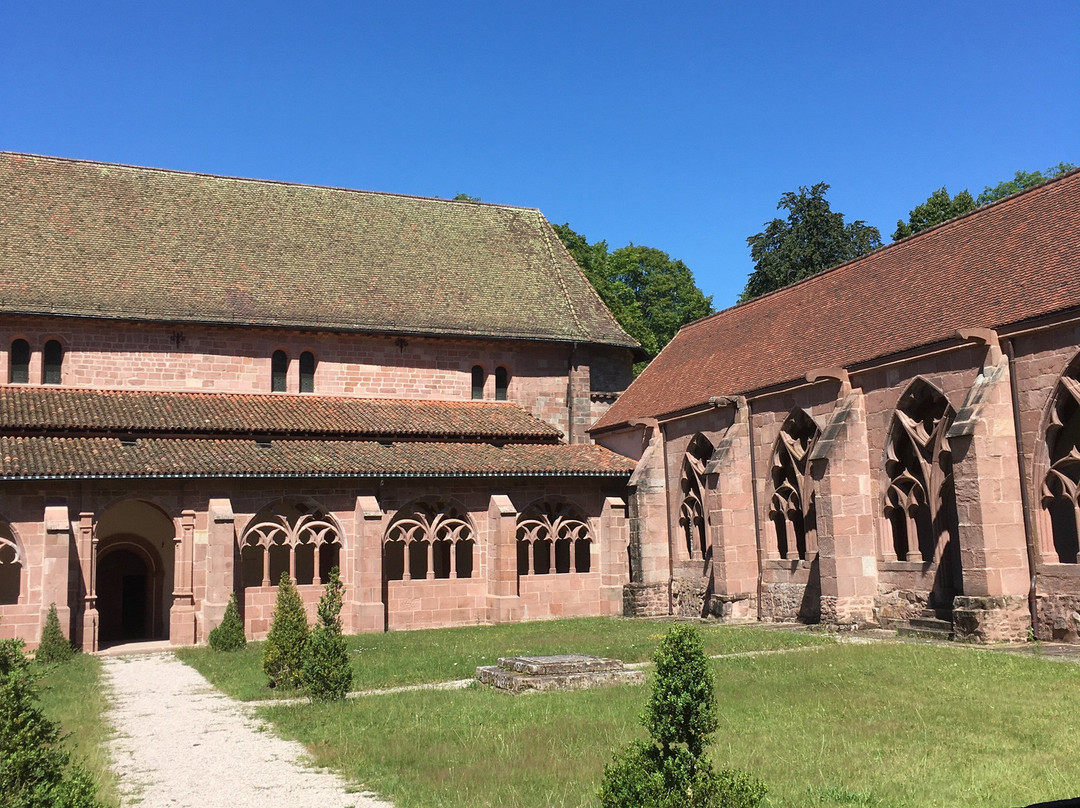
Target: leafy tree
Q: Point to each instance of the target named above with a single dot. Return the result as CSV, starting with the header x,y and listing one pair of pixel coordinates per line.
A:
x,y
54,646
672,770
229,635
938,208
463,197
327,672
650,294
35,769
283,653
811,239
1022,180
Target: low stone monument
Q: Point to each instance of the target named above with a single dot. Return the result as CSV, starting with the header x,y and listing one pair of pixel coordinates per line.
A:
x,y
557,672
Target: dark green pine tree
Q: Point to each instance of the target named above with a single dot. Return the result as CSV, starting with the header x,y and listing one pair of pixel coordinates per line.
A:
x,y
286,644
327,671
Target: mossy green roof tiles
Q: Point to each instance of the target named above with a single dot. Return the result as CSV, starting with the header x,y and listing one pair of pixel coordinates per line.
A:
x,y
98,240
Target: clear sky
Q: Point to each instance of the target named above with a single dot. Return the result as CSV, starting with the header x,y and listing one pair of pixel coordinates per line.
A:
x,y
677,125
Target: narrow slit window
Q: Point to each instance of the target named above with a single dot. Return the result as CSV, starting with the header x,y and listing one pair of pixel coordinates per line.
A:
x,y
19,362
502,382
477,382
53,360
279,371
307,372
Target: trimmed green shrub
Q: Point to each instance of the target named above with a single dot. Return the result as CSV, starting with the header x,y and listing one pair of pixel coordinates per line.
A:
x,y
54,646
229,635
672,769
327,672
286,644
35,769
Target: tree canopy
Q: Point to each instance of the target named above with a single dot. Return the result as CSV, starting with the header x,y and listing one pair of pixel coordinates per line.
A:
x,y
810,239
1021,180
938,208
649,293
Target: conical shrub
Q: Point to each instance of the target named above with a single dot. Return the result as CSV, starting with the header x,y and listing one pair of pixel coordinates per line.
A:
x,y
286,644
229,635
54,646
327,672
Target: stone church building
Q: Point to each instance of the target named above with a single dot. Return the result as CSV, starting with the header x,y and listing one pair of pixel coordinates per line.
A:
x,y
206,382
895,440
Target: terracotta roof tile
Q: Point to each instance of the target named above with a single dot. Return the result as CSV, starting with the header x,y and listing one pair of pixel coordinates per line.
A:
x,y
1002,264
51,409
100,240
49,457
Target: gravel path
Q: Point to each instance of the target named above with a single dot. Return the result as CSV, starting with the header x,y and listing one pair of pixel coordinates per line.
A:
x,y
181,744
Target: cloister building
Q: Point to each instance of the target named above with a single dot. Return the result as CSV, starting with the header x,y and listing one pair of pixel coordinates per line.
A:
x,y
206,382
893,440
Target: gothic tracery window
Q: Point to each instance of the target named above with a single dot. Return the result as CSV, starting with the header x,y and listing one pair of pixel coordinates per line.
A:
x,y
294,537
429,541
920,504
692,488
553,537
11,565
1061,486
792,511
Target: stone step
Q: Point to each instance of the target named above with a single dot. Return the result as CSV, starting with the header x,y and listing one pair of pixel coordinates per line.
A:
x,y
926,627
558,664
556,672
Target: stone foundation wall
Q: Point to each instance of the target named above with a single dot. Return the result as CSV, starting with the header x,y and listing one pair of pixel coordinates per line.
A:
x,y
897,605
688,595
991,619
646,600
1059,617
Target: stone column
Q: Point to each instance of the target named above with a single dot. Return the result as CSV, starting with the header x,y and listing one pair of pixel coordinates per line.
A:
x,y
612,548
502,575
56,564
847,552
182,629
989,507
362,573
87,548
649,590
220,562
731,523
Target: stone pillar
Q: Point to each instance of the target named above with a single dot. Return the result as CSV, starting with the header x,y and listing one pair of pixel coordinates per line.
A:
x,y
649,590
989,508
847,551
362,574
87,548
182,628
614,566
731,523
579,401
55,564
502,599
220,540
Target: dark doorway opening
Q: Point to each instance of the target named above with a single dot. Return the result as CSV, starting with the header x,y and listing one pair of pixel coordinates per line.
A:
x,y
124,592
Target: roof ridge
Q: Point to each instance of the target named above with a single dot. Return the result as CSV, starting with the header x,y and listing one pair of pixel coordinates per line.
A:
x,y
255,180
558,274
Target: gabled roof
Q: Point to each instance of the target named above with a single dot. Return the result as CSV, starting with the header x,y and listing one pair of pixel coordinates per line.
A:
x,y
999,265
99,240
56,410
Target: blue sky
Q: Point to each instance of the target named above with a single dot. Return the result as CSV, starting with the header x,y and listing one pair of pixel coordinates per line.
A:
x,y
677,125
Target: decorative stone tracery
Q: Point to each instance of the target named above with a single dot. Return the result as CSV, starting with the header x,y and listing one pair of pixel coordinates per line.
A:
x,y
436,539
11,566
553,537
920,504
1061,485
692,486
297,537
792,512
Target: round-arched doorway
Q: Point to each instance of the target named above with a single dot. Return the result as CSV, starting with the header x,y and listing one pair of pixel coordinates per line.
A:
x,y
129,587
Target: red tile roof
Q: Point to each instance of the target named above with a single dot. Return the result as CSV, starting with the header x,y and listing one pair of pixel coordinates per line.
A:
x,y
110,241
53,409
49,457
1002,264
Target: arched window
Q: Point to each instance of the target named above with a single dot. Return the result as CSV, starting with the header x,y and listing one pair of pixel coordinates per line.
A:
x,y
53,359
427,541
10,567
19,362
279,371
920,504
294,537
553,537
791,509
502,383
477,382
307,372
1061,485
692,488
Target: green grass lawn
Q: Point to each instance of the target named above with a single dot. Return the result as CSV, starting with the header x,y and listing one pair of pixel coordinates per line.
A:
x,y
71,694
842,725
437,655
